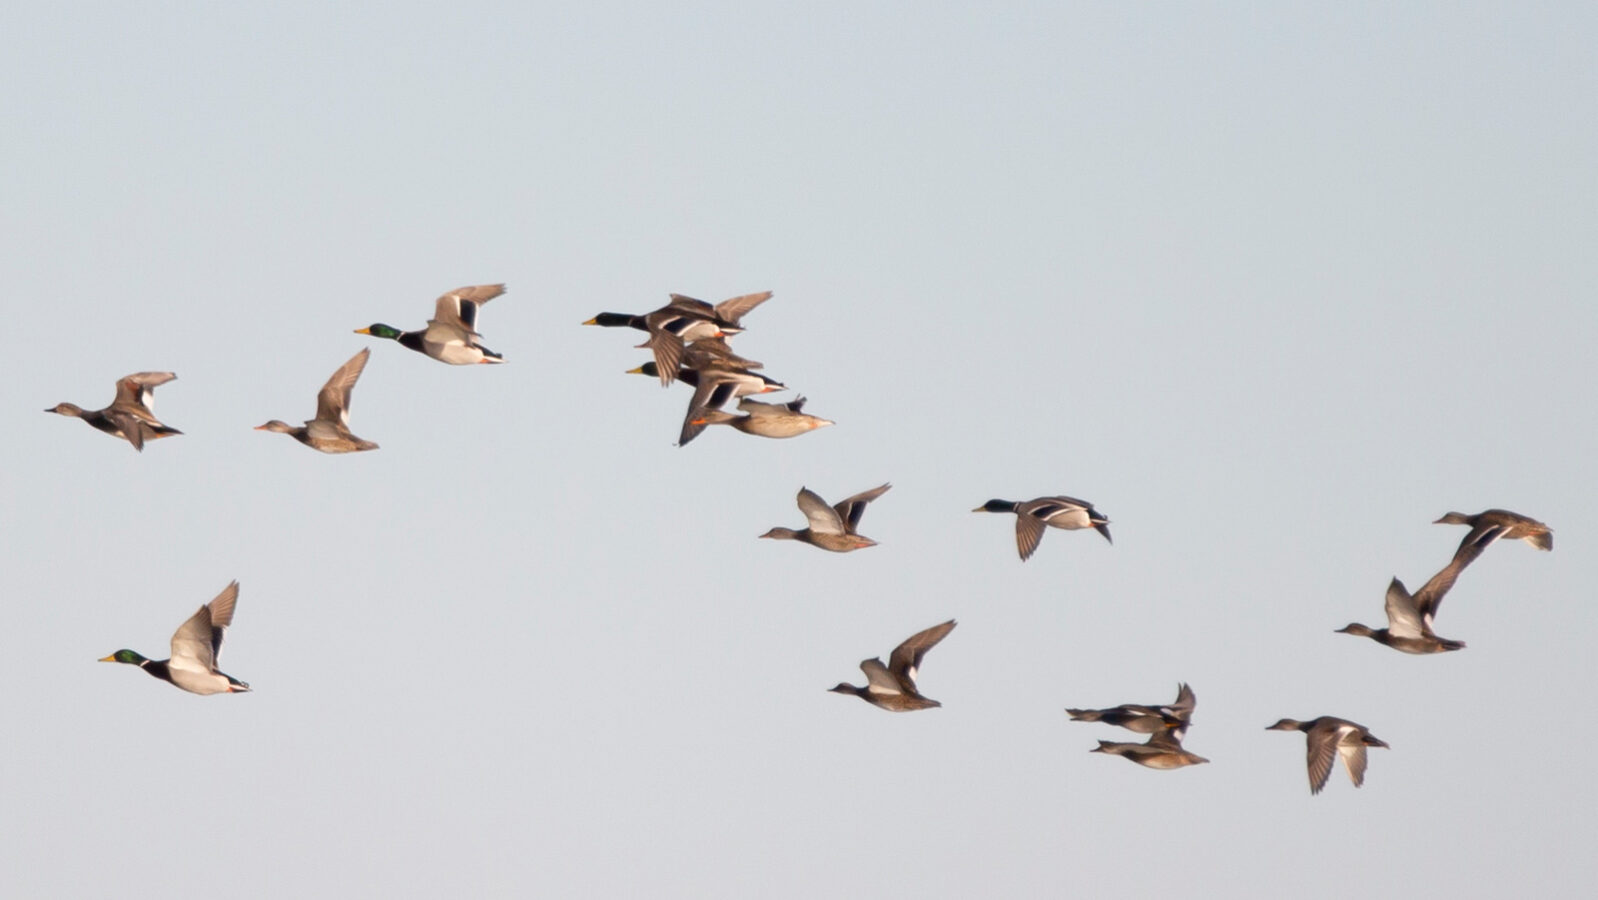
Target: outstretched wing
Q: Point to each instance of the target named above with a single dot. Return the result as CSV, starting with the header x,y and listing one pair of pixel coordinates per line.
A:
x,y
136,393
1028,532
906,658
730,311
198,642
1403,616
850,510
1430,595
333,401
823,518
459,307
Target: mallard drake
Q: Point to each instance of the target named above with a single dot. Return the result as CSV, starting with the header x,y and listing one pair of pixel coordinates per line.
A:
x,y
893,687
1327,736
1173,717
683,319
1060,512
1512,526
129,416
771,420
1163,750
831,527
1409,618
451,334
329,432
195,646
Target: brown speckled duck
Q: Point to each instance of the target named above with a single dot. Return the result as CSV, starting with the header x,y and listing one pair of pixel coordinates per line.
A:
x,y
1513,526
1327,737
893,687
1163,750
770,420
329,432
1410,618
831,527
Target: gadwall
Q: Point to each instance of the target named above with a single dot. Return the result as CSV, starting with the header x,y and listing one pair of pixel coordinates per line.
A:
x,y
329,432
1410,618
893,687
1328,736
129,416
1163,750
1150,719
1514,527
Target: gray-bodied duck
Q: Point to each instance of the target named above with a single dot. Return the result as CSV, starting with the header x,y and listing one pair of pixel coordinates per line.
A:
x,y
1163,750
831,527
195,646
893,687
1150,719
129,416
1512,526
451,334
1410,617
1328,736
769,420
682,320
1031,516
329,432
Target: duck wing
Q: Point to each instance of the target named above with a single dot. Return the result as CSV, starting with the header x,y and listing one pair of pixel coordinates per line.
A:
x,y
136,394
715,351
850,510
823,518
1028,532
1322,744
333,401
906,658
1182,708
198,642
1352,749
731,311
878,679
458,308
1430,595
709,393
1403,615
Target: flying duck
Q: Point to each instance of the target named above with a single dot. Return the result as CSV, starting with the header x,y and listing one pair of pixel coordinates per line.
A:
x,y
1327,737
1410,618
770,420
329,432
129,416
1514,526
195,646
1061,512
1150,719
451,334
893,687
831,527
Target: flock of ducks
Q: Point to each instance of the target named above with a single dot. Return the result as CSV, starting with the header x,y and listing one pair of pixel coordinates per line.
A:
x,y
688,341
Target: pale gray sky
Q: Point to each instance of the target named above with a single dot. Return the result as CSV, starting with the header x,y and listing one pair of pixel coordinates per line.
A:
x,y
1273,289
